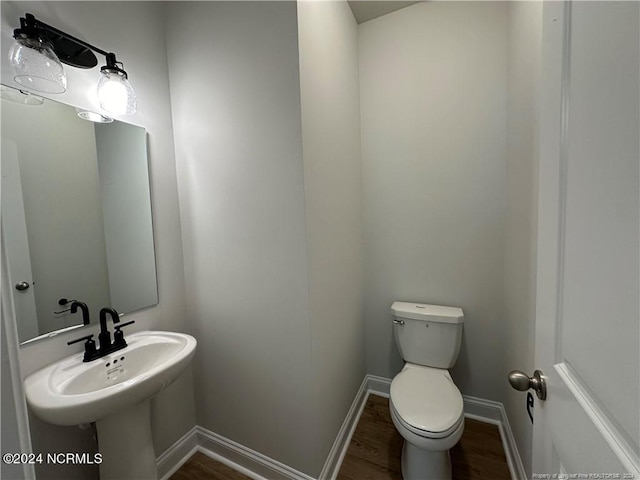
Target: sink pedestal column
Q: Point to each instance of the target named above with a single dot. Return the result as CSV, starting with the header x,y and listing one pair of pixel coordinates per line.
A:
x,y
126,445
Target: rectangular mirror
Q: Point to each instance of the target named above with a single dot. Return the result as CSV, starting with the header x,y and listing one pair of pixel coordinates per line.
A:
x,y
76,215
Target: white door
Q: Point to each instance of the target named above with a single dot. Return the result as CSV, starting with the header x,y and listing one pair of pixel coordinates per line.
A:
x,y
14,235
588,319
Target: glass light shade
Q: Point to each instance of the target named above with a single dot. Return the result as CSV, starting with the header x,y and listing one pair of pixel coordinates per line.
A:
x,y
18,96
36,66
93,116
115,93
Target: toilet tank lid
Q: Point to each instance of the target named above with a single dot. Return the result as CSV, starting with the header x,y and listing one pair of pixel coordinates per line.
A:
x,y
427,313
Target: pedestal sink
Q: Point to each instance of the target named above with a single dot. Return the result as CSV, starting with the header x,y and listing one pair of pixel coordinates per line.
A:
x,y
113,391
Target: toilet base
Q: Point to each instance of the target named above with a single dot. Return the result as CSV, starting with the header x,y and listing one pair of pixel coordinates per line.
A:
x,y
420,464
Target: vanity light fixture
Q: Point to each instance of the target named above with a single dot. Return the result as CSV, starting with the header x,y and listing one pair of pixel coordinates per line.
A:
x,y
115,93
36,65
39,52
93,116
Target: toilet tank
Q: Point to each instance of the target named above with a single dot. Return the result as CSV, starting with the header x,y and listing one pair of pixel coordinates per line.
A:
x,y
428,335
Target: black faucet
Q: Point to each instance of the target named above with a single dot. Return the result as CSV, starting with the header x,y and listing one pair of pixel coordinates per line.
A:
x,y
85,311
104,337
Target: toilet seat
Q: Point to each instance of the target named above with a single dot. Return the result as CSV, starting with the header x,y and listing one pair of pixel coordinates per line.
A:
x,y
426,401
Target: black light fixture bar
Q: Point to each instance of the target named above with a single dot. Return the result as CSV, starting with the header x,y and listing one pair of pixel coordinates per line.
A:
x,y
115,93
69,49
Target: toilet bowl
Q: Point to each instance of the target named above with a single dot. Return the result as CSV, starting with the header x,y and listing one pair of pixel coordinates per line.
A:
x,y
427,410
425,405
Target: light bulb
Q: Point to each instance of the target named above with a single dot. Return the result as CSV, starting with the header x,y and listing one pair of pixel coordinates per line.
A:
x,y
115,93
36,66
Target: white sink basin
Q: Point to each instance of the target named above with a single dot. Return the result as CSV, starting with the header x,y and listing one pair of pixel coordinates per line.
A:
x,y
70,392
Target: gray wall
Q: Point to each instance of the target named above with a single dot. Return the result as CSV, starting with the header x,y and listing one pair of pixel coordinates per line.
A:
x,y
139,45
328,40
433,110
525,37
270,195
239,155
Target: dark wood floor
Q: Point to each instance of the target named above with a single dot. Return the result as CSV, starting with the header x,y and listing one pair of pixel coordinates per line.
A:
x,y
376,446
201,467
374,452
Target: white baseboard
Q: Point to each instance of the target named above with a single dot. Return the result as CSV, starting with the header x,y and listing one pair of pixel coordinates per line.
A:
x,y
483,410
493,412
341,443
253,464
242,459
176,455
260,467
511,448
378,385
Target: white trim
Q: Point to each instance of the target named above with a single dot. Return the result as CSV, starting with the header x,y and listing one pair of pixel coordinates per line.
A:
x,y
378,385
489,411
177,454
514,461
230,464
253,464
260,467
10,331
339,448
610,433
483,410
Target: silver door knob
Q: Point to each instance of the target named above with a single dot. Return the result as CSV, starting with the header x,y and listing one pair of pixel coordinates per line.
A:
x,y
20,286
521,381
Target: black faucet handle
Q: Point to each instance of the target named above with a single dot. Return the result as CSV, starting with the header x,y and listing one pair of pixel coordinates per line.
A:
x,y
120,325
87,338
118,336
89,347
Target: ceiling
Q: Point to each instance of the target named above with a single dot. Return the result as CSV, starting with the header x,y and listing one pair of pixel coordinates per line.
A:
x,y
364,10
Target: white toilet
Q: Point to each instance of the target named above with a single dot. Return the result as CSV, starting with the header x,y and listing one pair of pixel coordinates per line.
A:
x,y
426,406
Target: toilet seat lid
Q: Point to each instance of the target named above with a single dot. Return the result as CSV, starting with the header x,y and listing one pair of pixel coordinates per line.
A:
x,y
426,399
